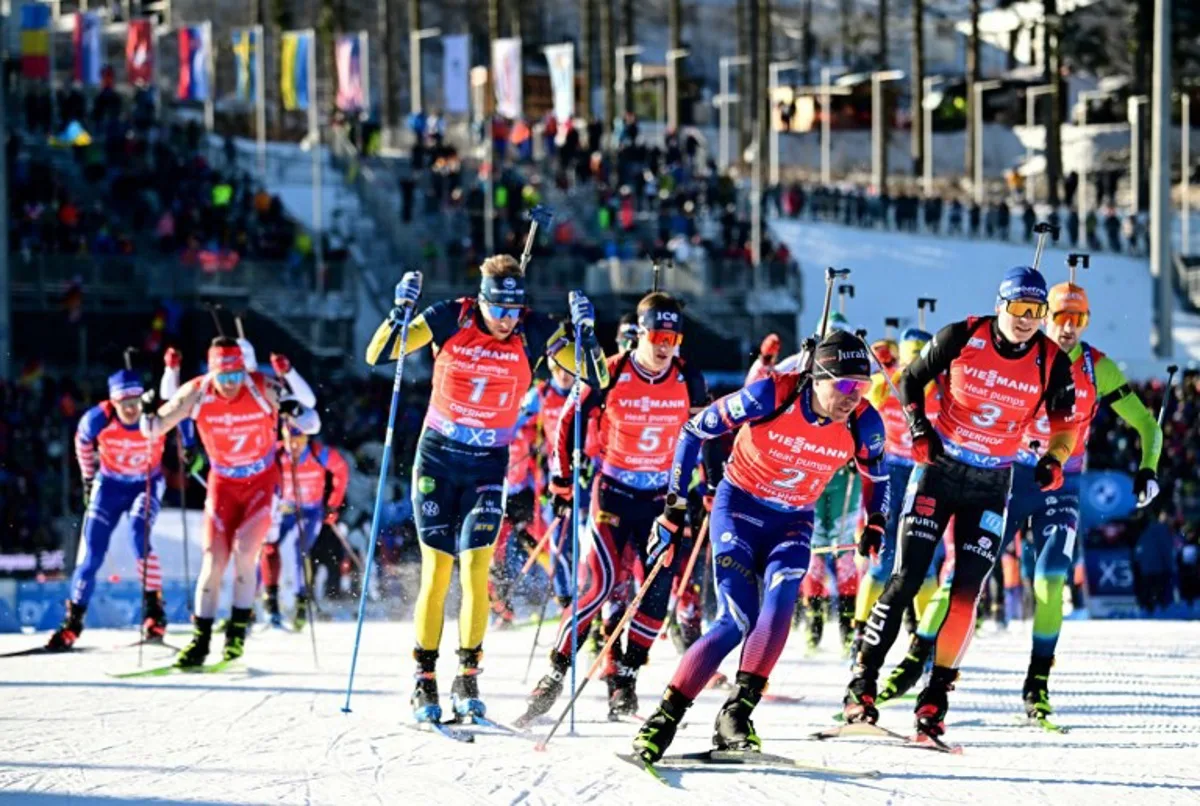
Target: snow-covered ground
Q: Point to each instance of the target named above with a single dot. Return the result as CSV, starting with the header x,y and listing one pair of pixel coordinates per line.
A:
x,y
275,733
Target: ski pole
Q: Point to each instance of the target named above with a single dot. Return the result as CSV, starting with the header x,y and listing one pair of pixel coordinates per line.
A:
x,y
145,552
835,549
540,215
384,465
576,467
537,551
1042,229
196,477
1162,410
301,541
682,581
187,574
809,345
630,612
1077,260
922,303
546,601
890,325
844,290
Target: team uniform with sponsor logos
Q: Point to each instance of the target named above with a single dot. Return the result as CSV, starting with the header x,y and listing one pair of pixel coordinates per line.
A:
x,y
990,392
521,528
761,522
117,461
639,424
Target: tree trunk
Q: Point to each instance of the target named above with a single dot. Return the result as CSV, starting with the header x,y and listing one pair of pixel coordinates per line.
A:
x,y
514,17
607,52
762,94
972,77
846,23
585,59
881,63
806,43
627,39
917,88
1053,75
675,40
743,110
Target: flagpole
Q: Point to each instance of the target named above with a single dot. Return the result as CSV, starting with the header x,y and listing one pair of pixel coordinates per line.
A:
x,y
315,143
260,101
56,12
364,60
210,83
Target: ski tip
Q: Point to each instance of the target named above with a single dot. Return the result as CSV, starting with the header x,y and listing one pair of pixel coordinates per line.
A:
x,y
346,709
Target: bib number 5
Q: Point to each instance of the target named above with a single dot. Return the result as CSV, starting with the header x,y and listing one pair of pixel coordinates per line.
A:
x,y
651,439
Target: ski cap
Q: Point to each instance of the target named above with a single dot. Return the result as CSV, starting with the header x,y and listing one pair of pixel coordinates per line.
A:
x,y
842,355
837,321
912,342
661,317
502,290
123,385
1022,282
1069,297
226,358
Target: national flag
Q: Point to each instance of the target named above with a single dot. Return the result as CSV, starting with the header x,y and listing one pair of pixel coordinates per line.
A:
x,y
139,54
349,73
293,70
35,40
86,40
245,54
193,63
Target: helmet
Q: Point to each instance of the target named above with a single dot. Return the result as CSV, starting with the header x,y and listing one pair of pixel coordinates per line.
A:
x,y
836,321
1068,297
1022,282
912,342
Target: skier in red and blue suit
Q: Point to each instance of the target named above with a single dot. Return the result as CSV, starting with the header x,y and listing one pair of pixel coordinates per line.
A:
x,y
794,431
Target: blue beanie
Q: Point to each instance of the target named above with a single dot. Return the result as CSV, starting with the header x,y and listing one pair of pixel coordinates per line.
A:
x,y
124,384
1022,282
916,334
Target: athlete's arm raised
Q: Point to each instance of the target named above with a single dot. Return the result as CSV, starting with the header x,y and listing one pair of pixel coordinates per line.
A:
x,y
157,423
434,324
1113,389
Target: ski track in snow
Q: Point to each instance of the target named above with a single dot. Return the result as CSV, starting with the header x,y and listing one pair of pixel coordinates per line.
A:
x,y
1129,691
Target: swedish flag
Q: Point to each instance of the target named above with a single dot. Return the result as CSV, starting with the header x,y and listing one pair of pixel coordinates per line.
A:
x,y
245,54
293,72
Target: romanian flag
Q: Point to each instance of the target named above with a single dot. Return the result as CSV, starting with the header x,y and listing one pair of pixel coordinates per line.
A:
x,y
193,63
35,40
245,55
293,71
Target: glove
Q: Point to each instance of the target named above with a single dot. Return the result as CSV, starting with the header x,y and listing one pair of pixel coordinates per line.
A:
x,y
248,355
193,461
172,358
408,290
149,402
1048,473
563,491
1145,486
870,539
927,445
331,517
665,532
707,498
583,314
281,364
289,407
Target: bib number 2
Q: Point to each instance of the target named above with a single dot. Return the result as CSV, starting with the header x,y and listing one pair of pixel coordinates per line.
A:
x,y
793,478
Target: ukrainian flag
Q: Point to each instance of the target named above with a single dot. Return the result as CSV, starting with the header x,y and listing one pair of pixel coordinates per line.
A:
x,y
293,72
35,40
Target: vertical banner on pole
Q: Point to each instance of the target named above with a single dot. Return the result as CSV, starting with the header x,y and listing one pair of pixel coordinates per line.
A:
x,y
349,58
293,69
139,52
456,63
35,41
561,59
193,64
246,51
506,67
86,41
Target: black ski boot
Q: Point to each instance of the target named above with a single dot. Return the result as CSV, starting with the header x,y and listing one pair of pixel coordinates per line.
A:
x,y
542,698
859,703
271,603
154,624
235,633
733,729
657,732
815,610
908,673
1037,690
194,654
424,700
300,620
933,702
68,632
464,692
622,692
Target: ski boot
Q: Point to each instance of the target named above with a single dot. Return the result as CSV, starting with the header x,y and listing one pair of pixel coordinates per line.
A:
x,y
542,698
657,732
859,703
154,625
564,602
933,702
733,729
193,655
1037,692
596,636
271,603
464,692
908,673
235,633
300,620
424,700
68,632
815,610
622,693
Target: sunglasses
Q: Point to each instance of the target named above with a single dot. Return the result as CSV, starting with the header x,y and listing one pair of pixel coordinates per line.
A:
x,y
230,378
846,386
1076,318
502,311
662,338
1025,309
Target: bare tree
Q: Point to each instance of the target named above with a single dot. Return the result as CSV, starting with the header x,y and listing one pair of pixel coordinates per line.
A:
x,y
972,76
1052,31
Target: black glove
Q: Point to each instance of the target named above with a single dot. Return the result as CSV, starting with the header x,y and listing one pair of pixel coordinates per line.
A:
x,y
149,401
290,407
666,532
927,445
1145,486
562,490
870,539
